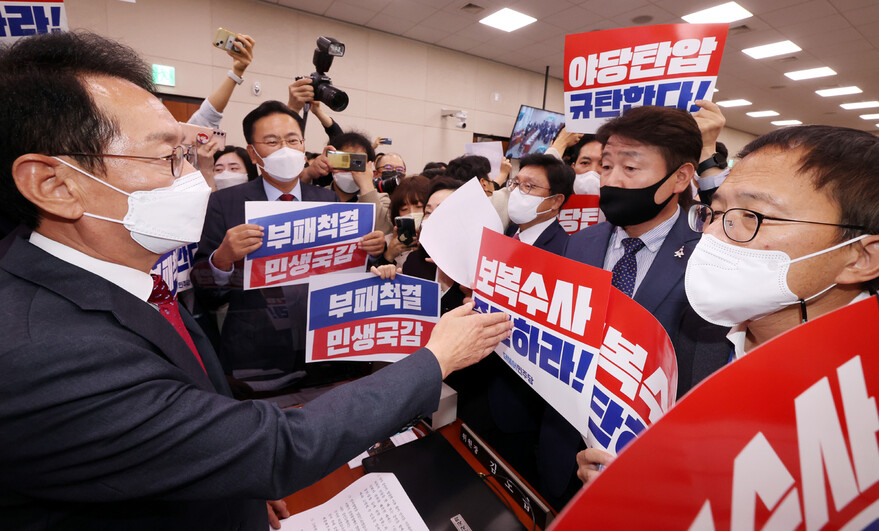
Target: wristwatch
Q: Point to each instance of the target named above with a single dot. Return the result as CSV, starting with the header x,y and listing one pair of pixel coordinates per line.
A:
x,y
236,78
714,161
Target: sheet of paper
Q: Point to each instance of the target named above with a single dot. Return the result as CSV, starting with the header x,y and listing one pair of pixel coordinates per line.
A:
x,y
375,502
493,151
453,232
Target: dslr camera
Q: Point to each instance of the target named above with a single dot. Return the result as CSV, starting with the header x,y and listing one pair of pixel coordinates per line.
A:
x,y
324,91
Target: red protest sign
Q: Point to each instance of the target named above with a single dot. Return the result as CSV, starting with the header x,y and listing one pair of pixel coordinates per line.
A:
x,y
784,438
608,72
579,212
569,299
637,377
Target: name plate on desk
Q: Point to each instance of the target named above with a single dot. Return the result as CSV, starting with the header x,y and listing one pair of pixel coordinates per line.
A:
x,y
526,499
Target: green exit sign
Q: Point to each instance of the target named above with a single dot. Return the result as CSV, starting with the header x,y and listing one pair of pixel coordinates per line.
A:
x,y
163,75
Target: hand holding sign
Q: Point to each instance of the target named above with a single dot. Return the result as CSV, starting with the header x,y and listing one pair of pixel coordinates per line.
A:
x,y
463,337
238,243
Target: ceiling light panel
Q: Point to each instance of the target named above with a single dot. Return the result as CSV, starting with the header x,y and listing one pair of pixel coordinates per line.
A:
x,y
762,114
771,50
839,91
810,73
728,12
860,105
507,19
787,122
733,103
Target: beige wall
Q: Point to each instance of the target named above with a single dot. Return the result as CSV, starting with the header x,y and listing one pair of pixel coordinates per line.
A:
x,y
397,86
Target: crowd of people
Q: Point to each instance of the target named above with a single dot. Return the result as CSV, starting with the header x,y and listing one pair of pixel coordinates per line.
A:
x,y
114,418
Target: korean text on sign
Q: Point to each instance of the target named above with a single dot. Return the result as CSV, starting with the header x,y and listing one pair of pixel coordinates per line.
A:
x,y
579,212
558,308
362,317
636,380
609,72
305,239
20,19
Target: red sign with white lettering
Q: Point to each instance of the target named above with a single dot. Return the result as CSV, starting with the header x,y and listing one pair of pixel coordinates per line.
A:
x,y
784,438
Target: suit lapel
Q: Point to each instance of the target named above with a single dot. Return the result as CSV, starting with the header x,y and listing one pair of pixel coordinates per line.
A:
x,y
93,293
593,244
255,190
668,268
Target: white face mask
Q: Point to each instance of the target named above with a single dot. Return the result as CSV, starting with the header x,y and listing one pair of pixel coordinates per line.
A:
x,y
284,165
227,179
587,183
163,219
345,181
522,207
728,285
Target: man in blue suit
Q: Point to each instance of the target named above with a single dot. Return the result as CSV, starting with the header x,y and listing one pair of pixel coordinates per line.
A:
x,y
649,157
263,328
115,412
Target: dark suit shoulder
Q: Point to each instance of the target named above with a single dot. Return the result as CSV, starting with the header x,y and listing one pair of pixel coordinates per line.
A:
x,y
553,239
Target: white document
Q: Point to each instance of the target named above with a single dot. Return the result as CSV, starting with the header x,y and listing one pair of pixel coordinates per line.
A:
x,y
493,151
453,232
375,502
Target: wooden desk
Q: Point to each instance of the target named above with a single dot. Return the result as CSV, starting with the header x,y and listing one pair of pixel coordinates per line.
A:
x,y
325,489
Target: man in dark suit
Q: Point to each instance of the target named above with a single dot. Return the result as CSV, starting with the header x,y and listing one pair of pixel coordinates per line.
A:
x,y
649,157
263,328
539,190
115,412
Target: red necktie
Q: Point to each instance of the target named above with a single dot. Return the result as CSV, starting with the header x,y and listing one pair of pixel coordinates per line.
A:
x,y
516,237
167,303
287,197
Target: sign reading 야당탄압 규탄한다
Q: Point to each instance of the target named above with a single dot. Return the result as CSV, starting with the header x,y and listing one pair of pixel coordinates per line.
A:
x,y
609,72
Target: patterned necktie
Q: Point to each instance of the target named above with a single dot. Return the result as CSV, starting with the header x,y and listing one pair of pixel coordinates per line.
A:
x,y
626,269
167,303
287,197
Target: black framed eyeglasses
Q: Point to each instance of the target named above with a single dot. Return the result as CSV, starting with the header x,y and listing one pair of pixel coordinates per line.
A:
x,y
741,224
292,142
177,156
512,184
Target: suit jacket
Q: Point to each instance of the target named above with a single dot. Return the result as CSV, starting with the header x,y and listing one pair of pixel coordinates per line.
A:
x,y
662,294
109,421
552,239
263,328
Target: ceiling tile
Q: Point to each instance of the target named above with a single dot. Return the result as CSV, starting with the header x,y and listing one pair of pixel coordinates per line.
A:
x,y
657,15
816,9
576,20
390,24
349,13
318,7
408,10
610,9
426,34
458,42
450,22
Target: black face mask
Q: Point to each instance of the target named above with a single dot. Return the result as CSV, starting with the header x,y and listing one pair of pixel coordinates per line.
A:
x,y
625,207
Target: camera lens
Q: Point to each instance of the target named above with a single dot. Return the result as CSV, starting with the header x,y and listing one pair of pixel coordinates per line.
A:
x,y
336,99
386,186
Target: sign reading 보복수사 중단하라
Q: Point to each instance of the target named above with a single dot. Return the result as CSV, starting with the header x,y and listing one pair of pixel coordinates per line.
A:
x,y
595,355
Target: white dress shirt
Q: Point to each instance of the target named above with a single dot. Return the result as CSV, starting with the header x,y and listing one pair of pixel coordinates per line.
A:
x,y
133,281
